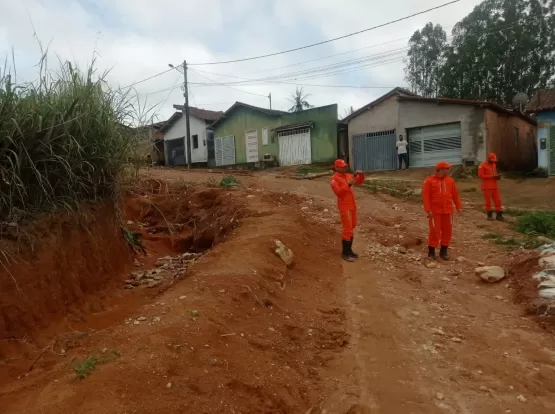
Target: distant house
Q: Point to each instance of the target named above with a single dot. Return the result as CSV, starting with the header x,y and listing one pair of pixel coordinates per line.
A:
x,y
542,105
175,131
439,129
247,134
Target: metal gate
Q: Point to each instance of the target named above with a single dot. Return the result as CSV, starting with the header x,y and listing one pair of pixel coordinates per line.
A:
x,y
432,144
375,151
224,150
175,151
294,147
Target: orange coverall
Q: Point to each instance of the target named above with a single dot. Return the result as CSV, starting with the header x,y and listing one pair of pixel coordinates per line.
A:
x,y
439,195
346,201
486,172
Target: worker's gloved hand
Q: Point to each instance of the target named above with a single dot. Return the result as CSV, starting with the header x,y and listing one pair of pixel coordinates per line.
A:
x,y
497,177
351,182
429,214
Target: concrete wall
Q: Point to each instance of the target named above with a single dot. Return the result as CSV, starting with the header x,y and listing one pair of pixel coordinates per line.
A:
x,y
515,151
473,130
545,121
242,120
179,131
383,117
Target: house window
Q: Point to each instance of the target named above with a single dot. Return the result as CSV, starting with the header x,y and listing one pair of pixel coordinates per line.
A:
x,y
516,136
264,136
195,141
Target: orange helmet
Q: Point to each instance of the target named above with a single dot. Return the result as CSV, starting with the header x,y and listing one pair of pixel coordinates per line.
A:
x,y
492,157
442,165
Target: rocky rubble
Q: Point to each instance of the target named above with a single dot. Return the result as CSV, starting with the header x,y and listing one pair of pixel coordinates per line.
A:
x,y
546,277
166,268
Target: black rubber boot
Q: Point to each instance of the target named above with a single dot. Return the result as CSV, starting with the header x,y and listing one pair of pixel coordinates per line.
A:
x,y
490,215
351,253
345,255
431,253
499,216
443,253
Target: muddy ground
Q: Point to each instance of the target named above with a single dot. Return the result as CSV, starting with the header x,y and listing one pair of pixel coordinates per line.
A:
x,y
236,331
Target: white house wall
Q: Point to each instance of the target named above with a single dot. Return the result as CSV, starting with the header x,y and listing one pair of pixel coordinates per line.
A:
x,y
198,127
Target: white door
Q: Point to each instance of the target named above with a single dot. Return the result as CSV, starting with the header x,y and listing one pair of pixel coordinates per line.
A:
x,y
431,144
294,147
251,143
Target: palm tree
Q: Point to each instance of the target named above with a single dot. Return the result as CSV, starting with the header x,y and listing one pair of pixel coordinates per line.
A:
x,y
299,101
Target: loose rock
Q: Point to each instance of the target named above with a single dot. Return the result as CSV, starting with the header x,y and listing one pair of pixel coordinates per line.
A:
x,y
490,274
440,396
284,253
547,262
521,398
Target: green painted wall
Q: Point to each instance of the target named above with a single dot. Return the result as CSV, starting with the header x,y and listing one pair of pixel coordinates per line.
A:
x,y
244,120
323,134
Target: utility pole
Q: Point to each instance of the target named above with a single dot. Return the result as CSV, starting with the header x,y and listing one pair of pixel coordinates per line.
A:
x,y
270,98
188,134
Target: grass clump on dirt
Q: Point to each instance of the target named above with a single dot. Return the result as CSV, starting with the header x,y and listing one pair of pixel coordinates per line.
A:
x,y
394,188
526,242
84,367
229,181
63,138
313,169
537,223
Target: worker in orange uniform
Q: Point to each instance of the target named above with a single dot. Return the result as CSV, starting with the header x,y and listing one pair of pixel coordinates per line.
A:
x,y
342,185
439,194
489,176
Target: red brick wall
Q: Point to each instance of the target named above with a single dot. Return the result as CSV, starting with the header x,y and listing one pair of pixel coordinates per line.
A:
x,y
516,151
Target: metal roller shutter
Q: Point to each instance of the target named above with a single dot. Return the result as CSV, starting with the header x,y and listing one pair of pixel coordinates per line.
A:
x,y
431,144
224,149
375,151
294,147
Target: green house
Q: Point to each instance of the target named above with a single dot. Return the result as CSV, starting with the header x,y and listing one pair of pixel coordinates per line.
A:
x,y
248,134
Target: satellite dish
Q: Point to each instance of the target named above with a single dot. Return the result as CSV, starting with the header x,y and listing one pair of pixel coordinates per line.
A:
x,y
519,100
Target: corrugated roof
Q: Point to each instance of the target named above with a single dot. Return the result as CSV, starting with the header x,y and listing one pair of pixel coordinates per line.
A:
x,y
395,91
289,127
483,104
200,113
543,100
244,105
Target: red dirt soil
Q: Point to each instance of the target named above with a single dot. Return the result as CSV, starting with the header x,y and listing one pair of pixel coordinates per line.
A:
x,y
232,336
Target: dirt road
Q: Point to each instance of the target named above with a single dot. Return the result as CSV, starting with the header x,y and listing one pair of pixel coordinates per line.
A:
x,y
241,333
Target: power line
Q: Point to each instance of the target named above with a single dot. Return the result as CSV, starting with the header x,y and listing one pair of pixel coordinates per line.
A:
x,y
227,86
146,79
326,41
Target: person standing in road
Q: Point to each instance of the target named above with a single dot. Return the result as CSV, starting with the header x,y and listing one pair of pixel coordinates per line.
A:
x,y
439,194
342,185
402,152
489,176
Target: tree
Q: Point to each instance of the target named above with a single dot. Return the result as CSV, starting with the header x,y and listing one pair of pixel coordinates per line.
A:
x,y
299,100
502,47
424,59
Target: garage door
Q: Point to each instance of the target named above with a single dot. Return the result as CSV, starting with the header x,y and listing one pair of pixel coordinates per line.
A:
x,y
294,147
431,144
224,150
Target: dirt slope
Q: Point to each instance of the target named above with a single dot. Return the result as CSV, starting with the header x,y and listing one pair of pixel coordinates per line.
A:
x,y
383,335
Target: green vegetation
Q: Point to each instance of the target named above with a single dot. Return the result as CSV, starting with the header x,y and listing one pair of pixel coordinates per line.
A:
x,y
526,242
394,188
84,367
63,139
537,223
313,169
229,181
133,240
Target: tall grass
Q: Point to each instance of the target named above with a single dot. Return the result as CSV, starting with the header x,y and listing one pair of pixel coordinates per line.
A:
x,y
539,222
63,139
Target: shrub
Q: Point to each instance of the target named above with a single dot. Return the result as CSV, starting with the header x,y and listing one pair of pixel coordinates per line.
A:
x,y
63,139
539,222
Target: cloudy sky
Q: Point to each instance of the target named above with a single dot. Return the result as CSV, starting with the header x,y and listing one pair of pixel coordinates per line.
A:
x,y
137,39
